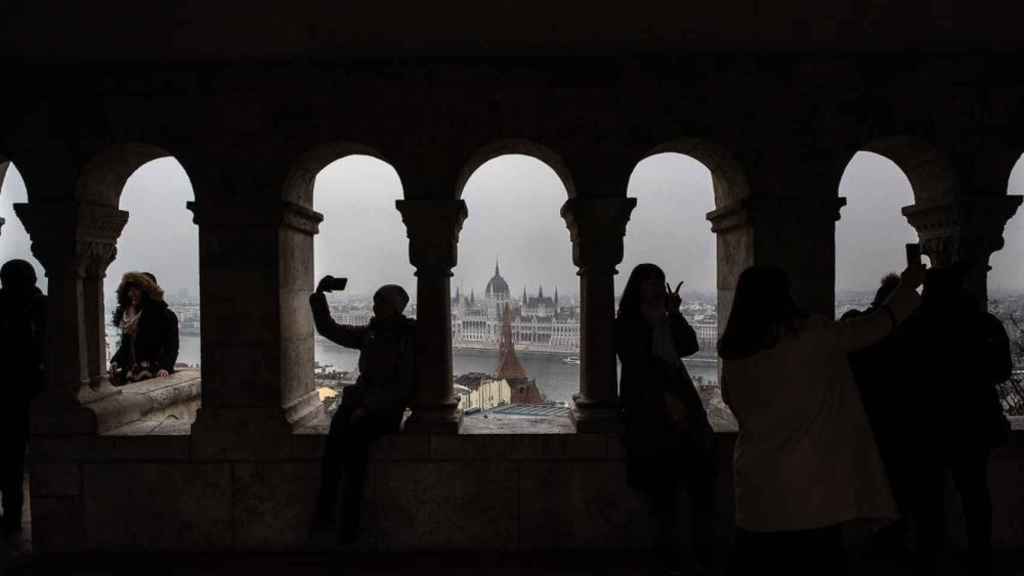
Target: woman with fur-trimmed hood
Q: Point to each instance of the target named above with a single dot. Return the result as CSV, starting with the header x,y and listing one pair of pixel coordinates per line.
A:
x,y
149,331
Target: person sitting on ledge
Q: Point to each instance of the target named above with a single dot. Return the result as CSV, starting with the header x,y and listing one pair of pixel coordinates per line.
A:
x,y
149,331
371,408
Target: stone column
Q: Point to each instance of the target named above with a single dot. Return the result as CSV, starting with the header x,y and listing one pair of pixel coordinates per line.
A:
x,y
101,254
74,242
964,230
299,397
596,228
433,228
240,261
796,233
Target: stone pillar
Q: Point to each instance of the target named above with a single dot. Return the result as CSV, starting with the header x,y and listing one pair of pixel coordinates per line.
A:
x,y
597,227
75,242
795,233
433,228
299,397
240,261
964,230
101,255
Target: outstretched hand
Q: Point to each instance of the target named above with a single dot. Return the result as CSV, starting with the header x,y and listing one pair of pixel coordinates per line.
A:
x,y
322,286
672,298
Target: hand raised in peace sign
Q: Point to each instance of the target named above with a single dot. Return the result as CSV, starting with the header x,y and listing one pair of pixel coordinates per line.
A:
x,y
672,299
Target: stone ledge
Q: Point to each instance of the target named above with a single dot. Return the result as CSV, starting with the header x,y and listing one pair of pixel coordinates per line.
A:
x,y
141,408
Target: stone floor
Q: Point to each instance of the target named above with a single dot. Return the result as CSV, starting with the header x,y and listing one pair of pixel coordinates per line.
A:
x,y
420,564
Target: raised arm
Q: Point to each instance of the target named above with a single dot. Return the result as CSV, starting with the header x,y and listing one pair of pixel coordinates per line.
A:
x,y
343,335
865,329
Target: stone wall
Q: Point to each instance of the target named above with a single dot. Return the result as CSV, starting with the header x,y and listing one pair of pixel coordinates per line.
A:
x,y
425,492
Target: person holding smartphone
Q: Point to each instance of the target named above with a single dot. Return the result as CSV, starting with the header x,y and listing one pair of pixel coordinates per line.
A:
x,y
805,461
372,407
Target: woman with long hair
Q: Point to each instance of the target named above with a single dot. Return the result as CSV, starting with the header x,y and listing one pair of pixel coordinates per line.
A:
x,y
805,460
149,331
668,440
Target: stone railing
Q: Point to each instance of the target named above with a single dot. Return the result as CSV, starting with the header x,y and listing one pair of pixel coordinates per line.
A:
x,y
156,406
558,491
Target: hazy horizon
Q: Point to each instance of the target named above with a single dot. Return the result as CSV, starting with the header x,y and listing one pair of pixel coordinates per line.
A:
x,y
514,204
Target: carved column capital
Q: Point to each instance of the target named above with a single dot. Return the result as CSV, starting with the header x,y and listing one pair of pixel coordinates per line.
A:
x,y
963,228
79,235
596,228
433,228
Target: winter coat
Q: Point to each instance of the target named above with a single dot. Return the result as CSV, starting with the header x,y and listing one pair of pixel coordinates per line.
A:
x,y
805,457
657,452
22,346
154,345
963,353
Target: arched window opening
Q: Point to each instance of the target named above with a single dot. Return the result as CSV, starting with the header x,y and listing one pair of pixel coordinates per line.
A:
x,y
515,305
362,238
1006,295
669,228
872,232
14,239
161,239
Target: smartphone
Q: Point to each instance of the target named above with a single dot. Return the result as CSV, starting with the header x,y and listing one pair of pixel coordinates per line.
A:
x,y
336,284
913,255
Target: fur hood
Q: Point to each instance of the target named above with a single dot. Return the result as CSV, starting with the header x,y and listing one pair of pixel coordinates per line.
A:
x,y
151,288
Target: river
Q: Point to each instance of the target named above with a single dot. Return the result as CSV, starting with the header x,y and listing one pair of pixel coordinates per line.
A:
x,y
557,380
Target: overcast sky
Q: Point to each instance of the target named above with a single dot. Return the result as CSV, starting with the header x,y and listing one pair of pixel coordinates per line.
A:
x,y
514,204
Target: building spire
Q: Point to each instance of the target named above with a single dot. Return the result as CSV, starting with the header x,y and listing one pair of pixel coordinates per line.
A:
x,y
509,367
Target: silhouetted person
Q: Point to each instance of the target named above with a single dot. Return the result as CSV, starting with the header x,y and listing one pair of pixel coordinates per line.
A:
x,y
805,461
22,358
371,408
884,372
668,440
149,331
964,353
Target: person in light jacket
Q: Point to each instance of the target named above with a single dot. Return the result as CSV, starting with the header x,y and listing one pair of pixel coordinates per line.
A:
x,y
805,461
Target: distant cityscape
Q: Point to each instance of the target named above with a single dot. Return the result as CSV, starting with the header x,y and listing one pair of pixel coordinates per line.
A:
x,y
545,329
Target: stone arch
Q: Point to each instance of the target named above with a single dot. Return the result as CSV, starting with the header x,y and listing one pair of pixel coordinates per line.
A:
x,y
298,182
728,178
931,175
4,165
1009,245
102,179
296,263
516,146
